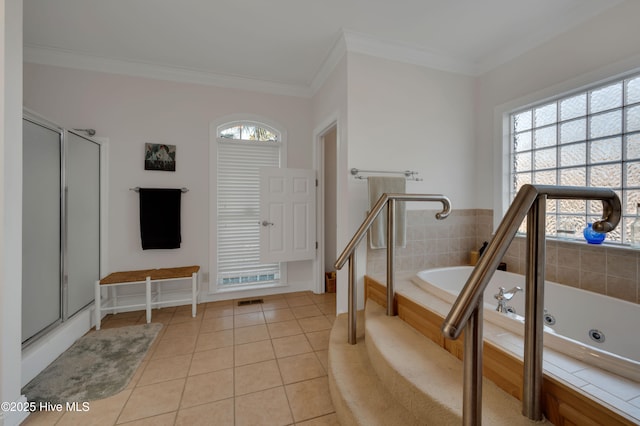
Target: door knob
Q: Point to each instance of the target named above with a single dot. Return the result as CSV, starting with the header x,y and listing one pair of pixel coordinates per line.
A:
x,y
266,223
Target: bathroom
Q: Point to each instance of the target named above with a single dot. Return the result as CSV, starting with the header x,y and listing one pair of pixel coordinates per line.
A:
x,y
458,154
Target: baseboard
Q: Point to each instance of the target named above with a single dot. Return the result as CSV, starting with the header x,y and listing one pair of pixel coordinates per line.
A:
x,y
15,412
257,291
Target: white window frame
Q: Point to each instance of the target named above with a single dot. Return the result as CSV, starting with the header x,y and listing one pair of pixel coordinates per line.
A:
x,y
214,131
503,142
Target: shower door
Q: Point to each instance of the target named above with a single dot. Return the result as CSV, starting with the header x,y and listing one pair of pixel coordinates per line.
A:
x,y
41,237
82,221
61,225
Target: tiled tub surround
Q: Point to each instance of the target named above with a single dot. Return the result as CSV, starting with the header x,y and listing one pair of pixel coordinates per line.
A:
x,y
605,269
433,243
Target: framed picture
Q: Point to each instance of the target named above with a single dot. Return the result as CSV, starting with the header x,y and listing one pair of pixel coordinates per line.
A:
x,y
159,156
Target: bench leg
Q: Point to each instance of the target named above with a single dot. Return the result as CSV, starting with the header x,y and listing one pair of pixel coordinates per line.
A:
x,y
194,293
113,295
148,297
159,294
97,314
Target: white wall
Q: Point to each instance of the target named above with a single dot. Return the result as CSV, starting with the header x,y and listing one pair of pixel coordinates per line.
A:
x,y
598,49
10,206
131,111
406,117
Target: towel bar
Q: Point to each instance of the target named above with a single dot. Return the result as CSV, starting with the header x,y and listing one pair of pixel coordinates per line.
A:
x,y
137,189
408,174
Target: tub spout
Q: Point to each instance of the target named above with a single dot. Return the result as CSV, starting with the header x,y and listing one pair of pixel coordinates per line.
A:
x,y
504,296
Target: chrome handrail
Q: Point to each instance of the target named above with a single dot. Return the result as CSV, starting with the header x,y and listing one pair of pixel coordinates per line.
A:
x,y
349,252
530,202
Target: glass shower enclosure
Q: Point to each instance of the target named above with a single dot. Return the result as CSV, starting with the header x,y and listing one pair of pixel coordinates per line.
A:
x,y
60,225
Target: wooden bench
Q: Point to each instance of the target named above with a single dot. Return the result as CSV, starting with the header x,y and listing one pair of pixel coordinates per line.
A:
x,y
146,276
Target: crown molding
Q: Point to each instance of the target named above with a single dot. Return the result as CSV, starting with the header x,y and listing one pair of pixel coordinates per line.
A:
x,y
68,59
332,59
367,45
350,41
346,42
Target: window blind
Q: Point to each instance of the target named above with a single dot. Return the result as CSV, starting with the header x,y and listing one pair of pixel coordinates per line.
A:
x,y
239,211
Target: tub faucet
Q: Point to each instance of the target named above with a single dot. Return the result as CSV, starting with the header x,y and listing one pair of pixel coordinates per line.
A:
x,y
504,296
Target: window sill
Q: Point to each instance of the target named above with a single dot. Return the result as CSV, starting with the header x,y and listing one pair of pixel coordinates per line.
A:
x,y
247,287
582,242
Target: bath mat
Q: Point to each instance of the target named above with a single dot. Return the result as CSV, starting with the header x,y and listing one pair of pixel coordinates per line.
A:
x,y
98,365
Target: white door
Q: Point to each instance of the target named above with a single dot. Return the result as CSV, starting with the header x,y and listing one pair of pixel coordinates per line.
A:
x,y
287,214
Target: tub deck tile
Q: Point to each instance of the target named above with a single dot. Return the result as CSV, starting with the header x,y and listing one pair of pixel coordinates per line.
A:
x,y
615,385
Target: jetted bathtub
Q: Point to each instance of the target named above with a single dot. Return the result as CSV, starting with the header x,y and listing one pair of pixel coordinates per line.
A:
x,y
596,329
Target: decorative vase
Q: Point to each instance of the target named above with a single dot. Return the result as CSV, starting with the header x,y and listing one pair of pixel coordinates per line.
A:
x,y
592,236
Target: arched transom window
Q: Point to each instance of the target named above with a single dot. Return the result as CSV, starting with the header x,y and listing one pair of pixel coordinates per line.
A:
x,y
249,131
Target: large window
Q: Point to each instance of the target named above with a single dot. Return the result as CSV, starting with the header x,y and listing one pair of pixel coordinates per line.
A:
x,y
591,138
243,147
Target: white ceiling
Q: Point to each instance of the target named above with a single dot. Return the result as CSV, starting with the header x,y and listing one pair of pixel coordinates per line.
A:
x,y
286,43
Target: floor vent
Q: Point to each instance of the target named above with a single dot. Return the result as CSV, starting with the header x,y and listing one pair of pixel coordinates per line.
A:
x,y
250,302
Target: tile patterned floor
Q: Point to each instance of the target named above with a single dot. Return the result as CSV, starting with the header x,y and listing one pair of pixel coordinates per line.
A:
x,y
257,364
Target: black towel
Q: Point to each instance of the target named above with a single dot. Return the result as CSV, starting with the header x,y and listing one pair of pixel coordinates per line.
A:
x,y
160,218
